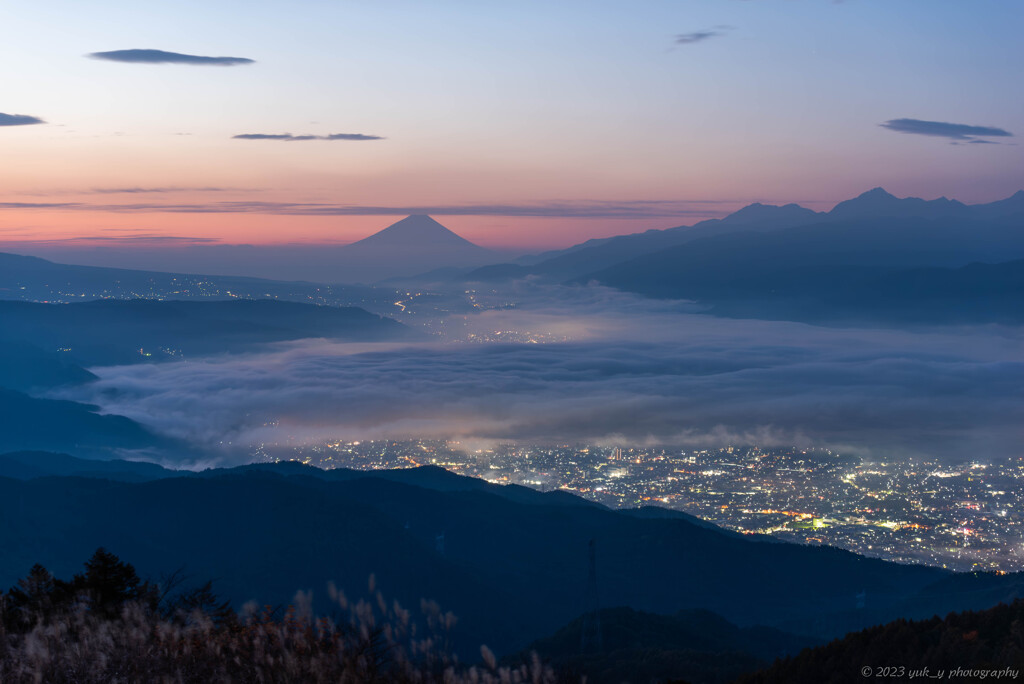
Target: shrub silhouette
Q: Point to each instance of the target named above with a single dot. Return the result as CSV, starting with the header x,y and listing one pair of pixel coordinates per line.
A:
x,y
108,626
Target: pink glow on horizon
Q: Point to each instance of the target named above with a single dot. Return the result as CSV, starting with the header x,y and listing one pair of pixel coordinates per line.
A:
x,y
42,227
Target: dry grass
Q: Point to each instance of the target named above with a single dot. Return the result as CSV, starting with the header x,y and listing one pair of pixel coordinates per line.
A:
x,y
377,641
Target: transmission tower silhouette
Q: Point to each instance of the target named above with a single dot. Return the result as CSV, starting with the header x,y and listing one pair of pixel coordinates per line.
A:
x,y
590,639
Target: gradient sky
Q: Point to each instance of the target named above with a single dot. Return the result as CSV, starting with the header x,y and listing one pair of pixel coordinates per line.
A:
x,y
519,124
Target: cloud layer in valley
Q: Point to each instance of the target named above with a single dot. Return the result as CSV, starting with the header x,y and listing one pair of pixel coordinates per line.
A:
x,y
630,373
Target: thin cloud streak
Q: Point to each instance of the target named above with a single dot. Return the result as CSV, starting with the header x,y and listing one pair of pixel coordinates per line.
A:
x,y
139,56
133,240
149,191
42,205
695,37
701,36
564,209
288,137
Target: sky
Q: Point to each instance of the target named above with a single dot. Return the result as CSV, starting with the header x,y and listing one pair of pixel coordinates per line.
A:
x,y
524,125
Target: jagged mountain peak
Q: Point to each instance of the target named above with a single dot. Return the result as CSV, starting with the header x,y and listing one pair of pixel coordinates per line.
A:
x,y
771,213
876,193
877,203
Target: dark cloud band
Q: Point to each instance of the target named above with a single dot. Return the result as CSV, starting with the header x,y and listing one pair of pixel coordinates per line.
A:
x,y
943,129
19,120
162,57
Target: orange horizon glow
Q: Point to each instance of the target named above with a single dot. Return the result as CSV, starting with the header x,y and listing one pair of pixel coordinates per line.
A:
x,y
120,230
490,115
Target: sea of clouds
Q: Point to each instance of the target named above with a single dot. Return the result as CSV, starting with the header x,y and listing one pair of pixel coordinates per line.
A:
x,y
625,370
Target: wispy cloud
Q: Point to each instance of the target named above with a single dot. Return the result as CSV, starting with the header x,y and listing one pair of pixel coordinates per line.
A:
x,y
563,209
42,205
288,137
695,37
19,120
700,36
162,57
146,191
943,129
133,240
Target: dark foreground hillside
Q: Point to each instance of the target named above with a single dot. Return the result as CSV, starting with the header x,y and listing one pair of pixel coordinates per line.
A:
x,y
977,646
107,626
510,562
626,645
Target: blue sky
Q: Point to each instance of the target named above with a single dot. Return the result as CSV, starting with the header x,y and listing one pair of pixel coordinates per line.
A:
x,y
500,103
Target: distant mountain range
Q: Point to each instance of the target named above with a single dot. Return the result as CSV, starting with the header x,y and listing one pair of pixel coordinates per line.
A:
x,y
510,562
875,258
874,204
416,244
